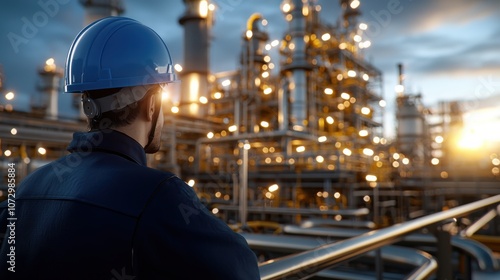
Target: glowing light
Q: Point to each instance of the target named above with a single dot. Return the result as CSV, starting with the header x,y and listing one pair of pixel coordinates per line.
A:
x,y
365,110
399,89
351,73
175,109
215,211
326,37
211,7
203,100
271,65
325,194
7,153
50,65
366,198
366,77
371,178
363,132
342,46
249,34
13,131
328,91
471,140
275,43
217,95
42,151
267,58
345,95
376,140
268,91
439,139
273,187
367,44
357,38
363,26
382,103
264,124
330,120
178,67
268,47
444,174
300,149
164,95
347,152
286,8
9,95
320,159
495,161
265,74
247,146
291,46
226,83
396,156
264,22
435,161
203,8
367,151
322,139
191,183
232,128
210,135
355,4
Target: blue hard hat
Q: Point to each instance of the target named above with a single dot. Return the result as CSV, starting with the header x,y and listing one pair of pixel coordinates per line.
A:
x,y
117,52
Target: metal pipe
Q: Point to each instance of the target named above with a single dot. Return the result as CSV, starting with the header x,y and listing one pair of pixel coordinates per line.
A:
x,y
323,257
470,230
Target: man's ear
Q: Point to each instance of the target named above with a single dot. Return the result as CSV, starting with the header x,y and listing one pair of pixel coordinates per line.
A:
x,y
150,107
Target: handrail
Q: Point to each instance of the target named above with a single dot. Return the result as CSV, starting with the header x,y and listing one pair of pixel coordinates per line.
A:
x,y
424,263
310,262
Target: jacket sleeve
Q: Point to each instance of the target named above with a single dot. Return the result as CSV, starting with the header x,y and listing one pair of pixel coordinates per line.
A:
x,y
178,238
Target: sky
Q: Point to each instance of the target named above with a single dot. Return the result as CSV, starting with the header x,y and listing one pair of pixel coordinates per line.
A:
x,y
450,49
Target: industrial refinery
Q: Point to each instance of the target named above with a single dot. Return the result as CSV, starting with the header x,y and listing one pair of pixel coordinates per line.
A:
x,y
279,142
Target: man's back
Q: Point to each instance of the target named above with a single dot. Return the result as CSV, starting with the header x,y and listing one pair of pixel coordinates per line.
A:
x,y
100,213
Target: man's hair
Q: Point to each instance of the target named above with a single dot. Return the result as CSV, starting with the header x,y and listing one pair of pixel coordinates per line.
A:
x,y
116,118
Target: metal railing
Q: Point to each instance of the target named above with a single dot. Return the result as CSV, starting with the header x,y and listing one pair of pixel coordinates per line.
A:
x,y
306,264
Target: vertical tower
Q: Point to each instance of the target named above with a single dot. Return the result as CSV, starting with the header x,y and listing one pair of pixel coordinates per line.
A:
x,y
97,9
296,67
197,22
50,77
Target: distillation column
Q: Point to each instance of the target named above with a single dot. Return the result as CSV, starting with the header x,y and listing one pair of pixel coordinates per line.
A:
x,y
296,71
197,22
50,77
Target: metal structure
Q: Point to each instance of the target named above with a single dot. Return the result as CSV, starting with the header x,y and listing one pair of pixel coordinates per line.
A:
x,y
308,263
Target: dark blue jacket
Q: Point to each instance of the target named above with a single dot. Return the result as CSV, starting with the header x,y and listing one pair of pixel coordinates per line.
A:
x,y
100,213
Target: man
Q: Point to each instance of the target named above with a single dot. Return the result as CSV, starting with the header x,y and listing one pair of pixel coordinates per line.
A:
x,y
99,212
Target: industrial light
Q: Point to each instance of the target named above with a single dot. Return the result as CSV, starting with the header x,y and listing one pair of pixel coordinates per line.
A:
x,y
320,159
271,65
203,100
345,95
268,91
217,95
355,4
286,8
175,109
382,103
249,34
178,67
322,139
329,120
326,37
7,153
365,110
328,91
399,89
9,95
439,139
215,210
351,73
267,58
405,161
371,178
42,151
232,128
435,161
342,46
191,183
203,8
13,131
366,77
368,152
273,187
363,26
363,132
346,152
300,149
50,65
264,22
396,156
264,124
357,38
291,46
246,146
210,135
268,47
265,74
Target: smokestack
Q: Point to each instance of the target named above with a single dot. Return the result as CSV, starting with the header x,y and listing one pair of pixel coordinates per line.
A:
x,y
50,77
197,22
400,73
97,9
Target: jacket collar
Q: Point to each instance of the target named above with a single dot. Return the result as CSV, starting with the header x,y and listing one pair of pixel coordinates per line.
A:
x,y
110,141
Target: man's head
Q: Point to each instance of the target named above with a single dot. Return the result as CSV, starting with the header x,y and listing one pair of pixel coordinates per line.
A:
x,y
119,67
